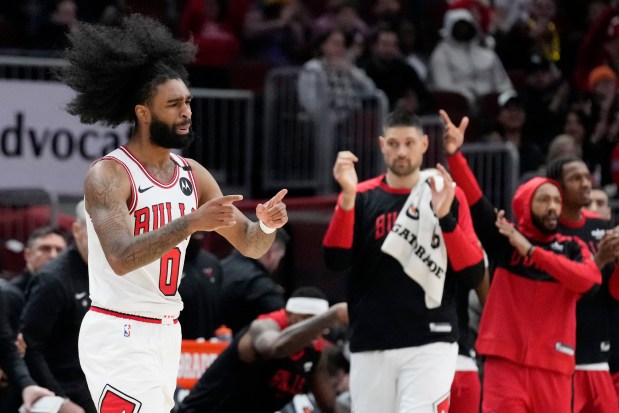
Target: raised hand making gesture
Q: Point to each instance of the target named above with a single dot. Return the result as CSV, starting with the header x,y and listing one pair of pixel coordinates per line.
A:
x,y
453,136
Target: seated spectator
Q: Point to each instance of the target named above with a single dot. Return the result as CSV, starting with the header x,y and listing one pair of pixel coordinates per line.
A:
x,y
331,83
415,57
600,203
546,95
578,124
342,15
217,44
43,245
605,119
391,74
52,318
538,26
510,127
60,21
599,45
459,64
248,288
278,356
384,12
277,31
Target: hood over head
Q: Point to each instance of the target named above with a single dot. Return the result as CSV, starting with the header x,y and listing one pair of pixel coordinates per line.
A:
x,y
521,205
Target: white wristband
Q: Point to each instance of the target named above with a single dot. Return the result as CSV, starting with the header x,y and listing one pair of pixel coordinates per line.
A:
x,y
266,229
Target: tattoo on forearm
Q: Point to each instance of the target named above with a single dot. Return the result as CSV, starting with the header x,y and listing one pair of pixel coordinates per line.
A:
x,y
154,244
111,221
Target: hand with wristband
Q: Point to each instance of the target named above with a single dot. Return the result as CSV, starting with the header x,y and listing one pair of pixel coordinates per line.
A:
x,y
272,214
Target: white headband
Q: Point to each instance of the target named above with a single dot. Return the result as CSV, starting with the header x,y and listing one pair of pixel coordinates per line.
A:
x,y
307,305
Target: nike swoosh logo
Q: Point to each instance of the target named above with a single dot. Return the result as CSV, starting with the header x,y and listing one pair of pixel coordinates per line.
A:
x,y
140,190
79,296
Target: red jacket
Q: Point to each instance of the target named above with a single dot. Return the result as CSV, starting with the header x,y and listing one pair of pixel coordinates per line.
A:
x,y
530,315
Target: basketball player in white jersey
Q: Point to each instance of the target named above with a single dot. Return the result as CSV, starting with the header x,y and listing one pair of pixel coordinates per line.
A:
x,y
144,202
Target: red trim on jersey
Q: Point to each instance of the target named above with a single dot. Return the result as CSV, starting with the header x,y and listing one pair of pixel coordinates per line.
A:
x,y
576,224
590,214
192,178
128,316
154,180
379,182
134,194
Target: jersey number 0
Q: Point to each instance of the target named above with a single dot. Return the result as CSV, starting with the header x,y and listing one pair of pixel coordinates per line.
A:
x,y
169,271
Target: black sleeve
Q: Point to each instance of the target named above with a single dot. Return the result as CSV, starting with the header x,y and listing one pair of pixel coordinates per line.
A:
x,y
38,319
484,215
10,361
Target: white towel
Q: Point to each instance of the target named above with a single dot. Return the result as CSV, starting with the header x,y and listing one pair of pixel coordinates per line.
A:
x,y
416,240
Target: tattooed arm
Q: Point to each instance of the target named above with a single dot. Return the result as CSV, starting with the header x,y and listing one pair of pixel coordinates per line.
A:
x,y
245,235
107,189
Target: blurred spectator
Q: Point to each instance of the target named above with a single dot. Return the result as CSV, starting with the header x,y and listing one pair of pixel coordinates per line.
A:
x,y
510,127
248,287
15,304
10,394
546,96
414,56
43,245
577,124
200,290
508,12
384,12
563,146
52,318
537,29
57,24
604,107
218,46
342,15
277,31
459,64
600,46
480,10
331,83
600,204
11,362
391,74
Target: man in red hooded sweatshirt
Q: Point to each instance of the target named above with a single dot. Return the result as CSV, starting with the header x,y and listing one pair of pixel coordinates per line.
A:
x,y
528,329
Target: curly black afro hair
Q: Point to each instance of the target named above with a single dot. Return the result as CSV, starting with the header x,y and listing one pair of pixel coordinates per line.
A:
x,y
112,69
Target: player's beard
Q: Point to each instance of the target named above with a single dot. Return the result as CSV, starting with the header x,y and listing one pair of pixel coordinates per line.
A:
x,y
401,168
165,136
538,222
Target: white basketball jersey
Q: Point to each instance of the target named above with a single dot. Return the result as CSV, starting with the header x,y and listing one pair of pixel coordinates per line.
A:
x,y
152,290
